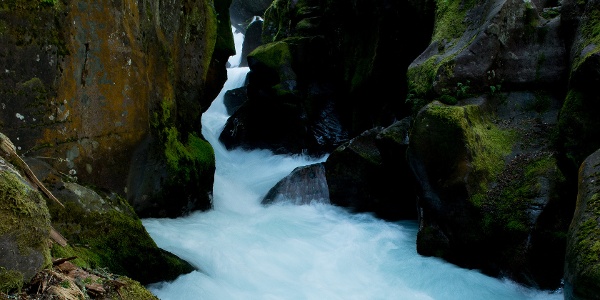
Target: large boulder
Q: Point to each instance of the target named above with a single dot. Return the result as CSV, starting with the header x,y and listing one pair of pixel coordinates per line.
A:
x,y
484,46
579,126
24,229
103,231
82,81
582,265
275,115
363,176
492,196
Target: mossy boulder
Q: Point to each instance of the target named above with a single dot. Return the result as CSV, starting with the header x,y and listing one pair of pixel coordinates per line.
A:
x,y
491,194
582,264
104,232
579,126
24,230
485,46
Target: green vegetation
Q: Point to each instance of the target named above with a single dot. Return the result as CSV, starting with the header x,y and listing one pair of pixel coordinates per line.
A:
x,y
273,55
23,215
590,32
112,238
509,209
10,280
24,218
488,145
184,160
450,18
587,243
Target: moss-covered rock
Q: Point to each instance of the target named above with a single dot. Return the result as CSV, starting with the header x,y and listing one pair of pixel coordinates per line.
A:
x,y
485,45
582,265
183,168
104,232
492,196
579,127
24,230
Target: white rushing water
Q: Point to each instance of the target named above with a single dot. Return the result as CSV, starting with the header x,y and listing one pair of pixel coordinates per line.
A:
x,y
248,251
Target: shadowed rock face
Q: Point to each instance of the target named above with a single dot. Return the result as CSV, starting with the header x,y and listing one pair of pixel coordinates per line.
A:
x,y
582,265
242,12
321,75
83,84
492,196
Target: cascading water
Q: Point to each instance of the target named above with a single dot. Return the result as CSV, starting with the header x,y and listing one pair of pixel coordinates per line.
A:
x,y
244,250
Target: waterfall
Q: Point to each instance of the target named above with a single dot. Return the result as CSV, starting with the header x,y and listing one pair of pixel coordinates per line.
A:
x,y
244,250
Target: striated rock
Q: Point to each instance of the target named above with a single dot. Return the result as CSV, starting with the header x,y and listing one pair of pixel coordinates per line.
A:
x,y
582,264
305,185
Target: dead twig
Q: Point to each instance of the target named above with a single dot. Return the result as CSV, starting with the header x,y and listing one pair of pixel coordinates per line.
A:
x,y
9,149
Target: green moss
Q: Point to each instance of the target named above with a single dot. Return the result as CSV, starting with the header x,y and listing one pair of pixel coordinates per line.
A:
x,y
184,159
276,24
590,32
86,258
114,239
196,155
35,22
222,22
587,245
447,99
131,290
489,145
10,280
273,55
450,18
24,215
48,2
507,212
579,126
421,77
550,13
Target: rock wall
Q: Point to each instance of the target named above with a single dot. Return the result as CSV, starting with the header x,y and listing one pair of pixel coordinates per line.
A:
x,y
83,84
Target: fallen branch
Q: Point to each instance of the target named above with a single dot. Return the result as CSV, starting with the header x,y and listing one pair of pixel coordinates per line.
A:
x,y
62,260
9,148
